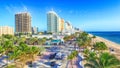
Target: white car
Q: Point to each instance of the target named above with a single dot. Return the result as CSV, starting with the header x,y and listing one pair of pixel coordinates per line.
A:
x,y
58,55
59,65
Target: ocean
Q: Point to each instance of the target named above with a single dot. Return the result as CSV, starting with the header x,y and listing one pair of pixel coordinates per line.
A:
x,y
112,36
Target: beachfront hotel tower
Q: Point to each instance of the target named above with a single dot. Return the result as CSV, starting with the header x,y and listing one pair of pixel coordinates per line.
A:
x,y
23,22
52,22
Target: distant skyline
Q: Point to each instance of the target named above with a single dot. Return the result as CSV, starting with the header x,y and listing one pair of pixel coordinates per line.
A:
x,y
88,15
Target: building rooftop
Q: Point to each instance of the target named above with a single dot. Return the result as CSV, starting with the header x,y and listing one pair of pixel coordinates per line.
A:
x,y
22,13
52,12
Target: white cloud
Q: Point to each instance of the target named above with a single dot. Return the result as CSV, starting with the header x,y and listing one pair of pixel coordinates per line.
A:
x,y
15,9
24,8
8,9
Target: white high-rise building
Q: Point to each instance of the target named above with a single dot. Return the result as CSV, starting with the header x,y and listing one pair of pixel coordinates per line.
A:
x,y
68,26
52,22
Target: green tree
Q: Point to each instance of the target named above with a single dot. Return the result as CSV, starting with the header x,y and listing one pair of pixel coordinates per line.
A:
x,y
2,50
42,41
22,39
23,54
86,53
83,40
69,37
7,36
100,46
33,41
105,60
32,53
8,46
11,66
73,55
70,58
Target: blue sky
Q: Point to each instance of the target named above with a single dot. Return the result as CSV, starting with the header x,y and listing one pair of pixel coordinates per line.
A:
x,y
88,15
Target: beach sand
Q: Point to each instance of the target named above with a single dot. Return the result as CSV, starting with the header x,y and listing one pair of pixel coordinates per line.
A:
x,y
110,44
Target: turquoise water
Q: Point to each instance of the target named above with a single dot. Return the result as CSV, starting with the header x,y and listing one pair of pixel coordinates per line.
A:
x,y
112,36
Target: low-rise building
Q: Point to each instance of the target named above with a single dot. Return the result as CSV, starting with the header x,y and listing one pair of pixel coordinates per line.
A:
x,y
43,36
6,30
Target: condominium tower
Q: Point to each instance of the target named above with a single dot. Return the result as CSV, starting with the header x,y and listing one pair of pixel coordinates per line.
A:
x,y
68,26
6,30
52,22
61,25
23,22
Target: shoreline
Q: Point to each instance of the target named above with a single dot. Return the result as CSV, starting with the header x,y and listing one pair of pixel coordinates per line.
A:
x,y
107,42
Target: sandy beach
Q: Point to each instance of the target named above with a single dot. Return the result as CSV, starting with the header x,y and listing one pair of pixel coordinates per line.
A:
x,y
110,44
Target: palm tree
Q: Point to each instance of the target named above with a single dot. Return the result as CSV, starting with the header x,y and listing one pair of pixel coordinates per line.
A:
x,y
2,50
91,55
67,38
11,66
42,41
70,58
100,46
7,36
21,39
8,46
32,53
16,56
20,55
86,53
23,54
15,40
83,40
105,60
73,55
33,40
0,40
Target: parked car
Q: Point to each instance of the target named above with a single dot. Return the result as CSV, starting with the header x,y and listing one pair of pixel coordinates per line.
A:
x,y
52,56
59,65
52,63
58,56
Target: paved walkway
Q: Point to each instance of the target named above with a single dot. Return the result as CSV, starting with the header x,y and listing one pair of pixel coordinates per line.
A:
x,y
75,63
79,62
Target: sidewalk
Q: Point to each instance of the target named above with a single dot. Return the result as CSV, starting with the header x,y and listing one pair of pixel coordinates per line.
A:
x,y
75,63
